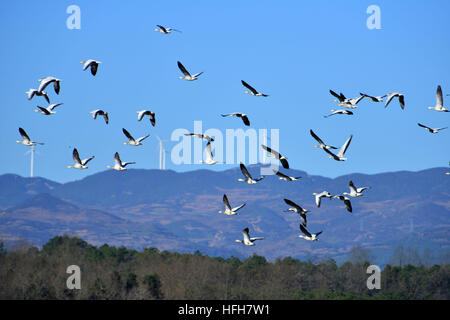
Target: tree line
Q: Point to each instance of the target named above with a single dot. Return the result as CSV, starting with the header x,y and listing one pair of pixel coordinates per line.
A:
x,y
119,273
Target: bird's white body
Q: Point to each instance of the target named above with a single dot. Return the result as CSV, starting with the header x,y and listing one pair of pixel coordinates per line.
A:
x,y
246,238
248,178
132,141
26,141
90,63
228,209
355,192
46,81
118,164
319,196
78,163
32,92
49,110
439,101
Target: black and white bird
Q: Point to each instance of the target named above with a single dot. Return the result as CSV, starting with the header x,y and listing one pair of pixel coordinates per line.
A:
x,y
248,178
340,111
78,163
340,155
46,81
319,196
307,235
92,64
276,155
401,99
209,155
348,204
284,177
165,30
228,210
118,164
200,135
187,75
374,99
321,145
26,141
132,141
345,102
32,92
252,90
439,101
431,130
243,116
297,209
102,113
246,238
49,110
355,192
151,116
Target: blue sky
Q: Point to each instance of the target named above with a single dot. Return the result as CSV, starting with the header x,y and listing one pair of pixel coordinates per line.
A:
x,y
294,51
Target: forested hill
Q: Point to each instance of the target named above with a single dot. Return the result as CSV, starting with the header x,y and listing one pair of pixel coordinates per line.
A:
x,y
119,273
178,212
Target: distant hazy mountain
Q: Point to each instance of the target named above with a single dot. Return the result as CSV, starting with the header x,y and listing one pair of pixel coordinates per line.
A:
x,y
178,211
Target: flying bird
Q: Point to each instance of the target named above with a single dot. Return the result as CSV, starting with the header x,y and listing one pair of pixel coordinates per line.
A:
x,y
78,163
228,210
93,64
431,130
248,177
374,99
340,155
297,209
252,91
284,177
187,75
199,135
118,164
340,111
132,141
355,192
439,101
26,139
276,155
165,30
307,235
401,99
151,116
99,112
49,110
246,238
321,145
32,92
319,196
346,103
209,156
243,116
348,204
46,81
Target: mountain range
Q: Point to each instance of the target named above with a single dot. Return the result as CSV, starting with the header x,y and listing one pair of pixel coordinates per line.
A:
x,y
177,211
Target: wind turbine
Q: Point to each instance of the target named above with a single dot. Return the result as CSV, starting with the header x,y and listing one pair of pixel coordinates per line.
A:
x,y
162,154
31,152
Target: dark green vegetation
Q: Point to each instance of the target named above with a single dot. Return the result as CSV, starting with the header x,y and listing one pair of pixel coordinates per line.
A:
x,y
119,273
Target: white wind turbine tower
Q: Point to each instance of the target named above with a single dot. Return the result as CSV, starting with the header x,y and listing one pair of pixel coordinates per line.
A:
x,y
32,152
162,154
